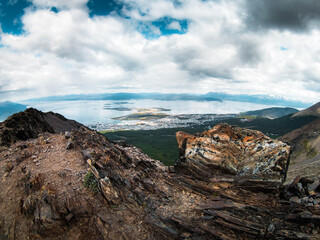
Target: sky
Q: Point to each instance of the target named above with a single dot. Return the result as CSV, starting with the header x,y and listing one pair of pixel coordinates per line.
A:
x,y
59,47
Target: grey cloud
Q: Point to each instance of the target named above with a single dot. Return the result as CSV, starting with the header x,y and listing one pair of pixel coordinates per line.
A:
x,y
13,94
190,60
210,71
249,52
295,15
3,90
313,85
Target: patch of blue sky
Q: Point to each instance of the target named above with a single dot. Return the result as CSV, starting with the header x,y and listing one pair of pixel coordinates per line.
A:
x,y
163,27
282,48
10,15
54,9
102,7
150,29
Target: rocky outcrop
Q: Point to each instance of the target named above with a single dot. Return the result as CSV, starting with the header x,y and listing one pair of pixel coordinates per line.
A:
x,y
100,190
241,152
30,123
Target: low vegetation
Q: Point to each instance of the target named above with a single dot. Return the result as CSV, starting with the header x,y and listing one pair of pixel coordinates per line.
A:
x,y
247,116
90,182
308,149
158,144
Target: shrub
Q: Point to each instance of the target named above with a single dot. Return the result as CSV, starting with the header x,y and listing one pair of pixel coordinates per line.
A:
x,y
90,182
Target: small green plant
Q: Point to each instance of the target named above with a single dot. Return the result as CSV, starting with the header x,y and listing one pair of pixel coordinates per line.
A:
x,y
311,153
90,182
306,145
308,149
216,194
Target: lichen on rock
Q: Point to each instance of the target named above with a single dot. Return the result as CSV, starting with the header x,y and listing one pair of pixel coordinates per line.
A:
x,y
236,151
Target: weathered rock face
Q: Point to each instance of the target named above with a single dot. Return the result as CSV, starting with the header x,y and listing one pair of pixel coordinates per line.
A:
x,y
100,190
233,150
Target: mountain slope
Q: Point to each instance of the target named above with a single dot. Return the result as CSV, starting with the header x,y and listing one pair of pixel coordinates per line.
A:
x,y
305,143
305,156
311,111
82,186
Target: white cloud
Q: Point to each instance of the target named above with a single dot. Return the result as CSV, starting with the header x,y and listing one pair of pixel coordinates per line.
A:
x,y
69,52
175,26
60,3
12,2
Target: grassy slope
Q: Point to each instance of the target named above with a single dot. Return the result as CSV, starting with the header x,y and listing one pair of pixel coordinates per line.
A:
x,y
161,144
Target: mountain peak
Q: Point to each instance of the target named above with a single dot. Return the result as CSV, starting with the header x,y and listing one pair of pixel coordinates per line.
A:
x,y
30,123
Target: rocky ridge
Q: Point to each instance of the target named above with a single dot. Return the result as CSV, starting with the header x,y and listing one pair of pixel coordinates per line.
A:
x,y
30,123
80,185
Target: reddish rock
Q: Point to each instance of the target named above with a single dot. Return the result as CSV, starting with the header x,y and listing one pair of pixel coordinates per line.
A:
x,y
234,150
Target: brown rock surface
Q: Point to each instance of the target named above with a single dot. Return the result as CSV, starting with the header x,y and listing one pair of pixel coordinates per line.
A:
x,y
117,192
237,151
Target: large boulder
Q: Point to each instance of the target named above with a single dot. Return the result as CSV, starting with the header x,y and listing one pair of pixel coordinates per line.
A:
x,y
235,151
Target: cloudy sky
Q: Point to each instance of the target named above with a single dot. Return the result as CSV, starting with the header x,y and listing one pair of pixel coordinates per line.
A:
x,y
58,47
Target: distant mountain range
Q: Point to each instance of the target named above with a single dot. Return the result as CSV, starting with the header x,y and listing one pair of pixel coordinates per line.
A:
x,y
130,96
8,108
260,99
211,96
